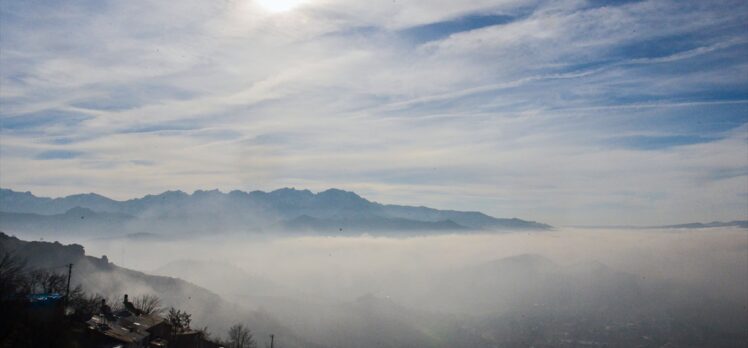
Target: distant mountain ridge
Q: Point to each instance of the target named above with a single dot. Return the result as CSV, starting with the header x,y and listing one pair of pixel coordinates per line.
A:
x,y
692,225
331,211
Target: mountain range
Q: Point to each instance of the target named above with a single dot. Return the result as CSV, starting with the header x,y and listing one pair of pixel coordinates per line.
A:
x,y
332,211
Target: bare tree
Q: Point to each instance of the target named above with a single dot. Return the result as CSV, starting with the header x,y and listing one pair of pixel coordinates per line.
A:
x,y
11,274
45,281
115,302
148,304
179,321
83,304
241,337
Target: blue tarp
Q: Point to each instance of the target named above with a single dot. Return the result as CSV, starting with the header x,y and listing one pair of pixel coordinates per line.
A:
x,y
43,300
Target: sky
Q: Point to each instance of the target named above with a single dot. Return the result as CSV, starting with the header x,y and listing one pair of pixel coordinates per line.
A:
x,y
567,112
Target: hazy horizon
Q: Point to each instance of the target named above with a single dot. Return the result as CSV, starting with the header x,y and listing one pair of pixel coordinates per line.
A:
x,y
632,223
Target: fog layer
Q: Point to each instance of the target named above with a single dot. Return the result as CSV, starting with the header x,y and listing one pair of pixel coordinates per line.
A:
x,y
318,286
555,288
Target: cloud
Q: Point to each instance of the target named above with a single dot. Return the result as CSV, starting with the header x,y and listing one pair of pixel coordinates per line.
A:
x,y
440,30
41,120
645,142
713,259
564,111
58,154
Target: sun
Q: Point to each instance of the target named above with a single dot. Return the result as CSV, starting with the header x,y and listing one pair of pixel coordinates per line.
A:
x,y
276,6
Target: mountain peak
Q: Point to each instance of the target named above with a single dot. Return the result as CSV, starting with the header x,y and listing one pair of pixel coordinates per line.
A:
x,y
171,194
338,194
290,195
214,192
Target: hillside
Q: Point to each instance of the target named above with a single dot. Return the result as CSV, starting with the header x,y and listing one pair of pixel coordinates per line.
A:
x,y
98,276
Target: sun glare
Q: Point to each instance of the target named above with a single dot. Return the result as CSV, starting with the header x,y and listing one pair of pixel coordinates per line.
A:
x,y
279,5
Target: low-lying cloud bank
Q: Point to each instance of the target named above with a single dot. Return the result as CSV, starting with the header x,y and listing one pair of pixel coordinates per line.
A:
x,y
714,257
551,288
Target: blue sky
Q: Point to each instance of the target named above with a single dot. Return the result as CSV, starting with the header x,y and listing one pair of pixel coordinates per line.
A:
x,y
567,112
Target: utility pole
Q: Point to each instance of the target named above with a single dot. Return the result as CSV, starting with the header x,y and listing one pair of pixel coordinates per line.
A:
x,y
272,339
67,292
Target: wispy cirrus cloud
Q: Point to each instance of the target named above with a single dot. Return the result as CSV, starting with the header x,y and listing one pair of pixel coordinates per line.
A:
x,y
561,111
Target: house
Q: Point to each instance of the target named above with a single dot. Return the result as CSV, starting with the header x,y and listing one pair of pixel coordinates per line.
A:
x,y
118,331
125,329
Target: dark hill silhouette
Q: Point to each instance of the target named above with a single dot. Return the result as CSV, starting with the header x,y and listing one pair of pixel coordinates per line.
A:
x,y
98,276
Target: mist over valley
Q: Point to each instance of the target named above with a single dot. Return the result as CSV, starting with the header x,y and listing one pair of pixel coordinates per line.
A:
x,y
471,287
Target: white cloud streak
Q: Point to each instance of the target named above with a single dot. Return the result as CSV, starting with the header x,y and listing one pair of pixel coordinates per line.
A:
x,y
513,119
